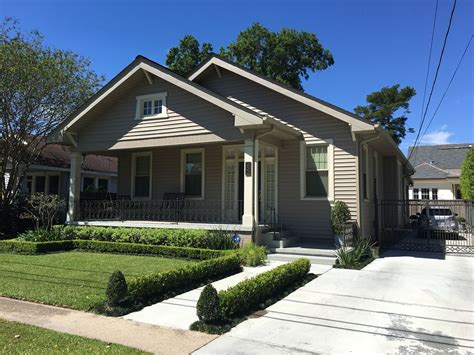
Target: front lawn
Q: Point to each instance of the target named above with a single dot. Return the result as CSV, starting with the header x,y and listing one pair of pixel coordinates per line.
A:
x,y
72,279
17,338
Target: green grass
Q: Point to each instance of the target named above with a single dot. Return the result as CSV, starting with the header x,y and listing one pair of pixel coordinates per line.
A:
x,y
17,338
72,279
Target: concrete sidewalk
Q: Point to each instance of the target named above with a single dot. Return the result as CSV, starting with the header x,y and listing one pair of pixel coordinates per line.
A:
x,y
180,311
145,337
394,305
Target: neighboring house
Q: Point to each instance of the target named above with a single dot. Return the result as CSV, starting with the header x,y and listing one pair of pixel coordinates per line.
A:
x,y
49,174
232,149
438,168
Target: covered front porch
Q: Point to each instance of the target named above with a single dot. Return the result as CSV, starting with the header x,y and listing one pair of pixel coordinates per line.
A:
x,y
233,187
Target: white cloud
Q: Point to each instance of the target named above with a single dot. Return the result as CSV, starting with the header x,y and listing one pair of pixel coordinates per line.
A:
x,y
437,137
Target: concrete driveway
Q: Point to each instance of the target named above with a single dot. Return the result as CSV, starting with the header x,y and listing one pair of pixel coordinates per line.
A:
x,y
397,304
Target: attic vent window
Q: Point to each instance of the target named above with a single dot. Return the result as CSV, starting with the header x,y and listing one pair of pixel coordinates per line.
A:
x,y
432,162
151,106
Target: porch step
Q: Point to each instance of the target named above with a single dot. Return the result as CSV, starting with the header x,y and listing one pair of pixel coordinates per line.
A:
x,y
298,250
315,260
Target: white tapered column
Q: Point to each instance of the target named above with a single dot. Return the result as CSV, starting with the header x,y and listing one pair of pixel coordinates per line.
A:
x,y
74,185
249,153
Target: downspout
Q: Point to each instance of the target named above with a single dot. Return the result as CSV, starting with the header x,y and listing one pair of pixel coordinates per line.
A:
x,y
360,149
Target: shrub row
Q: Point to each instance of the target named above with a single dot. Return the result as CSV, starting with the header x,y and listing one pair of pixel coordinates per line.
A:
x,y
152,288
249,294
109,247
193,238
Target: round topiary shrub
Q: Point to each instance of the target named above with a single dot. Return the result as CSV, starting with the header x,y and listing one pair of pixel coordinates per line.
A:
x,y
208,310
117,289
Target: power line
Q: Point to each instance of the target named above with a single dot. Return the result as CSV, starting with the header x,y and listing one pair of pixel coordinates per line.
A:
x,y
429,62
447,88
435,78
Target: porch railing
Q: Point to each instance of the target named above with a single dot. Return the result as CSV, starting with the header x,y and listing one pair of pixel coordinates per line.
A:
x,y
191,211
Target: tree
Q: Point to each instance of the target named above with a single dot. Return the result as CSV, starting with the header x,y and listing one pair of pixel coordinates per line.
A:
x,y
39,87
184,58
285,56
467,176
384,105
44,209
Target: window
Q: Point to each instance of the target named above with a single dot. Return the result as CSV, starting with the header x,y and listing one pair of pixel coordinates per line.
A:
x,y
416,194
316,171
434,194
29,184
103,185
457,192
151,106
141,175
40,184
365,172
192,173
53,184
88,184
425,194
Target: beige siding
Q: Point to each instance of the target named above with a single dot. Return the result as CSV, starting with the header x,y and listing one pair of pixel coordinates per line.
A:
x,y
307,217
166,170
190,119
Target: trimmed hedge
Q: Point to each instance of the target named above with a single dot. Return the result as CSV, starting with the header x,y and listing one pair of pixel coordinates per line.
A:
x,y
16,246
249,294
192,238
109,247
152,288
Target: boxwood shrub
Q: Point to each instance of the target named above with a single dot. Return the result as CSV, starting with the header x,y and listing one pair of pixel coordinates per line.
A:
x,y
110,247
193,238
249,294
155,287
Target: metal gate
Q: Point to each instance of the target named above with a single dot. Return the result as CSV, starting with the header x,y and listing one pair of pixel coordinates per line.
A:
x,y
427,225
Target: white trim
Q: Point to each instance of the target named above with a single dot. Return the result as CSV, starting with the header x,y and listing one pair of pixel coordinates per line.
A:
x,y
356,125
66,170
330,154
134,156
151,97
203,171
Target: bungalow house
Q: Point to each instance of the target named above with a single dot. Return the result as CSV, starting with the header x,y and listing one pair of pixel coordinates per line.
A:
x,y
438,169
227,147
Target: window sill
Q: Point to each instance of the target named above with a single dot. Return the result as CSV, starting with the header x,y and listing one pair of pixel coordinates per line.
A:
x,y
317,199
141,198
161,115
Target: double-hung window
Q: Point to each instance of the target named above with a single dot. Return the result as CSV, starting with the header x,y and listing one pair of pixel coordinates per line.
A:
x,y
416,194
151,106
192,172
316,171
425,194
141,175
434,194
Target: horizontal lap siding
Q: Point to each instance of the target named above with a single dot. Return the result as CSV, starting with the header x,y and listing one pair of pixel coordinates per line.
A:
x,y
307,217
166,171
114,124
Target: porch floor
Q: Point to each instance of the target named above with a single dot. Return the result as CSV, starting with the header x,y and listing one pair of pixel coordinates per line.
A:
x,y
165,225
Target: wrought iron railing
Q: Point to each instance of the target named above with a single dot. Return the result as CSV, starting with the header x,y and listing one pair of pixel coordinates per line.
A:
x,y
192,211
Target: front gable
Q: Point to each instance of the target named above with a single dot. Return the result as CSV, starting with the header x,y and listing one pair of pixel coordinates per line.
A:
x,y
189,119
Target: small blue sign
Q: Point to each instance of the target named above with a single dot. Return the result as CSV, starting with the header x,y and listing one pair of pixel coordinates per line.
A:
x,y
236,238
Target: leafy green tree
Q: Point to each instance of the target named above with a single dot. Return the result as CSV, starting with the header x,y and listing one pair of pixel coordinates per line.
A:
x,y
467,176
184,58
39,87
384,108
285,56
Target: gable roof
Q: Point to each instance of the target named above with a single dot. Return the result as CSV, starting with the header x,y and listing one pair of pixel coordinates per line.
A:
x,y
242,114
357,123
447,158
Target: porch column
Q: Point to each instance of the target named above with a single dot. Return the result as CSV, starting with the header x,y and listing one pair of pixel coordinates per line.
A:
x,y
256,178
249,150
74,185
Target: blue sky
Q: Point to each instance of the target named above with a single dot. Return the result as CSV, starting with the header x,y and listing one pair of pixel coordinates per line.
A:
x,y
375,43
